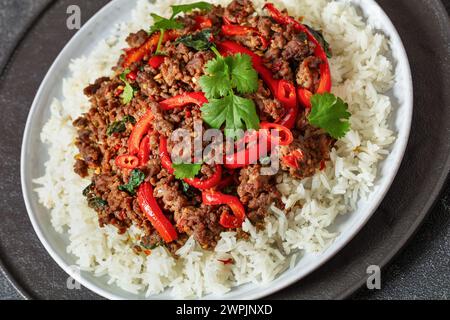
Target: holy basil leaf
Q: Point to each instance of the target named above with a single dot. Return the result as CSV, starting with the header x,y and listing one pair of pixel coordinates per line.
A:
x,y
120,126
202,5
186,170
97,203
199,41
93,200
135,180
320,38
330,113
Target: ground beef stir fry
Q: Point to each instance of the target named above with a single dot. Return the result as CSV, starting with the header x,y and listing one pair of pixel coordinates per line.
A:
x,y
122,137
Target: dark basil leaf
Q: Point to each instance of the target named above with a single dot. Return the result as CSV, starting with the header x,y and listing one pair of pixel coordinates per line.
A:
x,y
135,180
120,126
97,203
319,37
199,41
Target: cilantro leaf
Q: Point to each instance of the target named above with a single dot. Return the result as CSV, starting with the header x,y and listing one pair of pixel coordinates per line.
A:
x,y
330,113
135,180
186,170
128,92
120,126
202,5
217,82
199,41
161,23
236,112
243,76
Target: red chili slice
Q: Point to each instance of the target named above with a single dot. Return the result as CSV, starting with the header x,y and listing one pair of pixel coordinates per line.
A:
x,y
127,161
286,136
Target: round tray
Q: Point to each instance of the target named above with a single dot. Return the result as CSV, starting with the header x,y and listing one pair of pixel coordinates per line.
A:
x,y
415,189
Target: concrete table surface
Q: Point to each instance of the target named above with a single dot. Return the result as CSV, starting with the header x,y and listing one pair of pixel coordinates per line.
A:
x,y
420,271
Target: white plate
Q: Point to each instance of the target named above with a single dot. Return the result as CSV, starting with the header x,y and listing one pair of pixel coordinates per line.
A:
x,y
34,155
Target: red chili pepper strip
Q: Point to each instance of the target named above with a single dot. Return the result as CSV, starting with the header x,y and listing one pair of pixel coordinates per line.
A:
x,y
182,100
156,61
144,151
236,30
293,158
201,22
282,90
209,183
325,75
198,183
139,130
286,137
150,207
127,162
164,155
137,54
226,220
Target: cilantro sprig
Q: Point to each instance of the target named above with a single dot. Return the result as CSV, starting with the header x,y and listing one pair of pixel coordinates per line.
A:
x,y
224,77
330,113
186,170
162,24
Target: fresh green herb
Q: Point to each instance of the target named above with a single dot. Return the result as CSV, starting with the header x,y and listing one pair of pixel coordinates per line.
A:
x,y
151,246
224,106
237,113
128,92
97,203
188,190
320,38
162,24
88,189
199,41
202,5
135,180
330,113
186,170
94,202
120,126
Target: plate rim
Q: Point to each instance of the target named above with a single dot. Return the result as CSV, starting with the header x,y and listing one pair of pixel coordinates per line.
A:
x,y
324,257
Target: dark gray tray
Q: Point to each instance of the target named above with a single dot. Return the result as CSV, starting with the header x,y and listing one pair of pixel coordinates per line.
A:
x,y
425,31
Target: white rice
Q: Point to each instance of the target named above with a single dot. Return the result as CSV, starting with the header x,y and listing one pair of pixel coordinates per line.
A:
x,y
361,74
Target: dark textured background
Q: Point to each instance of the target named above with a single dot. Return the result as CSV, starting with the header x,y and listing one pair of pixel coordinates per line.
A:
x,y
421,271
